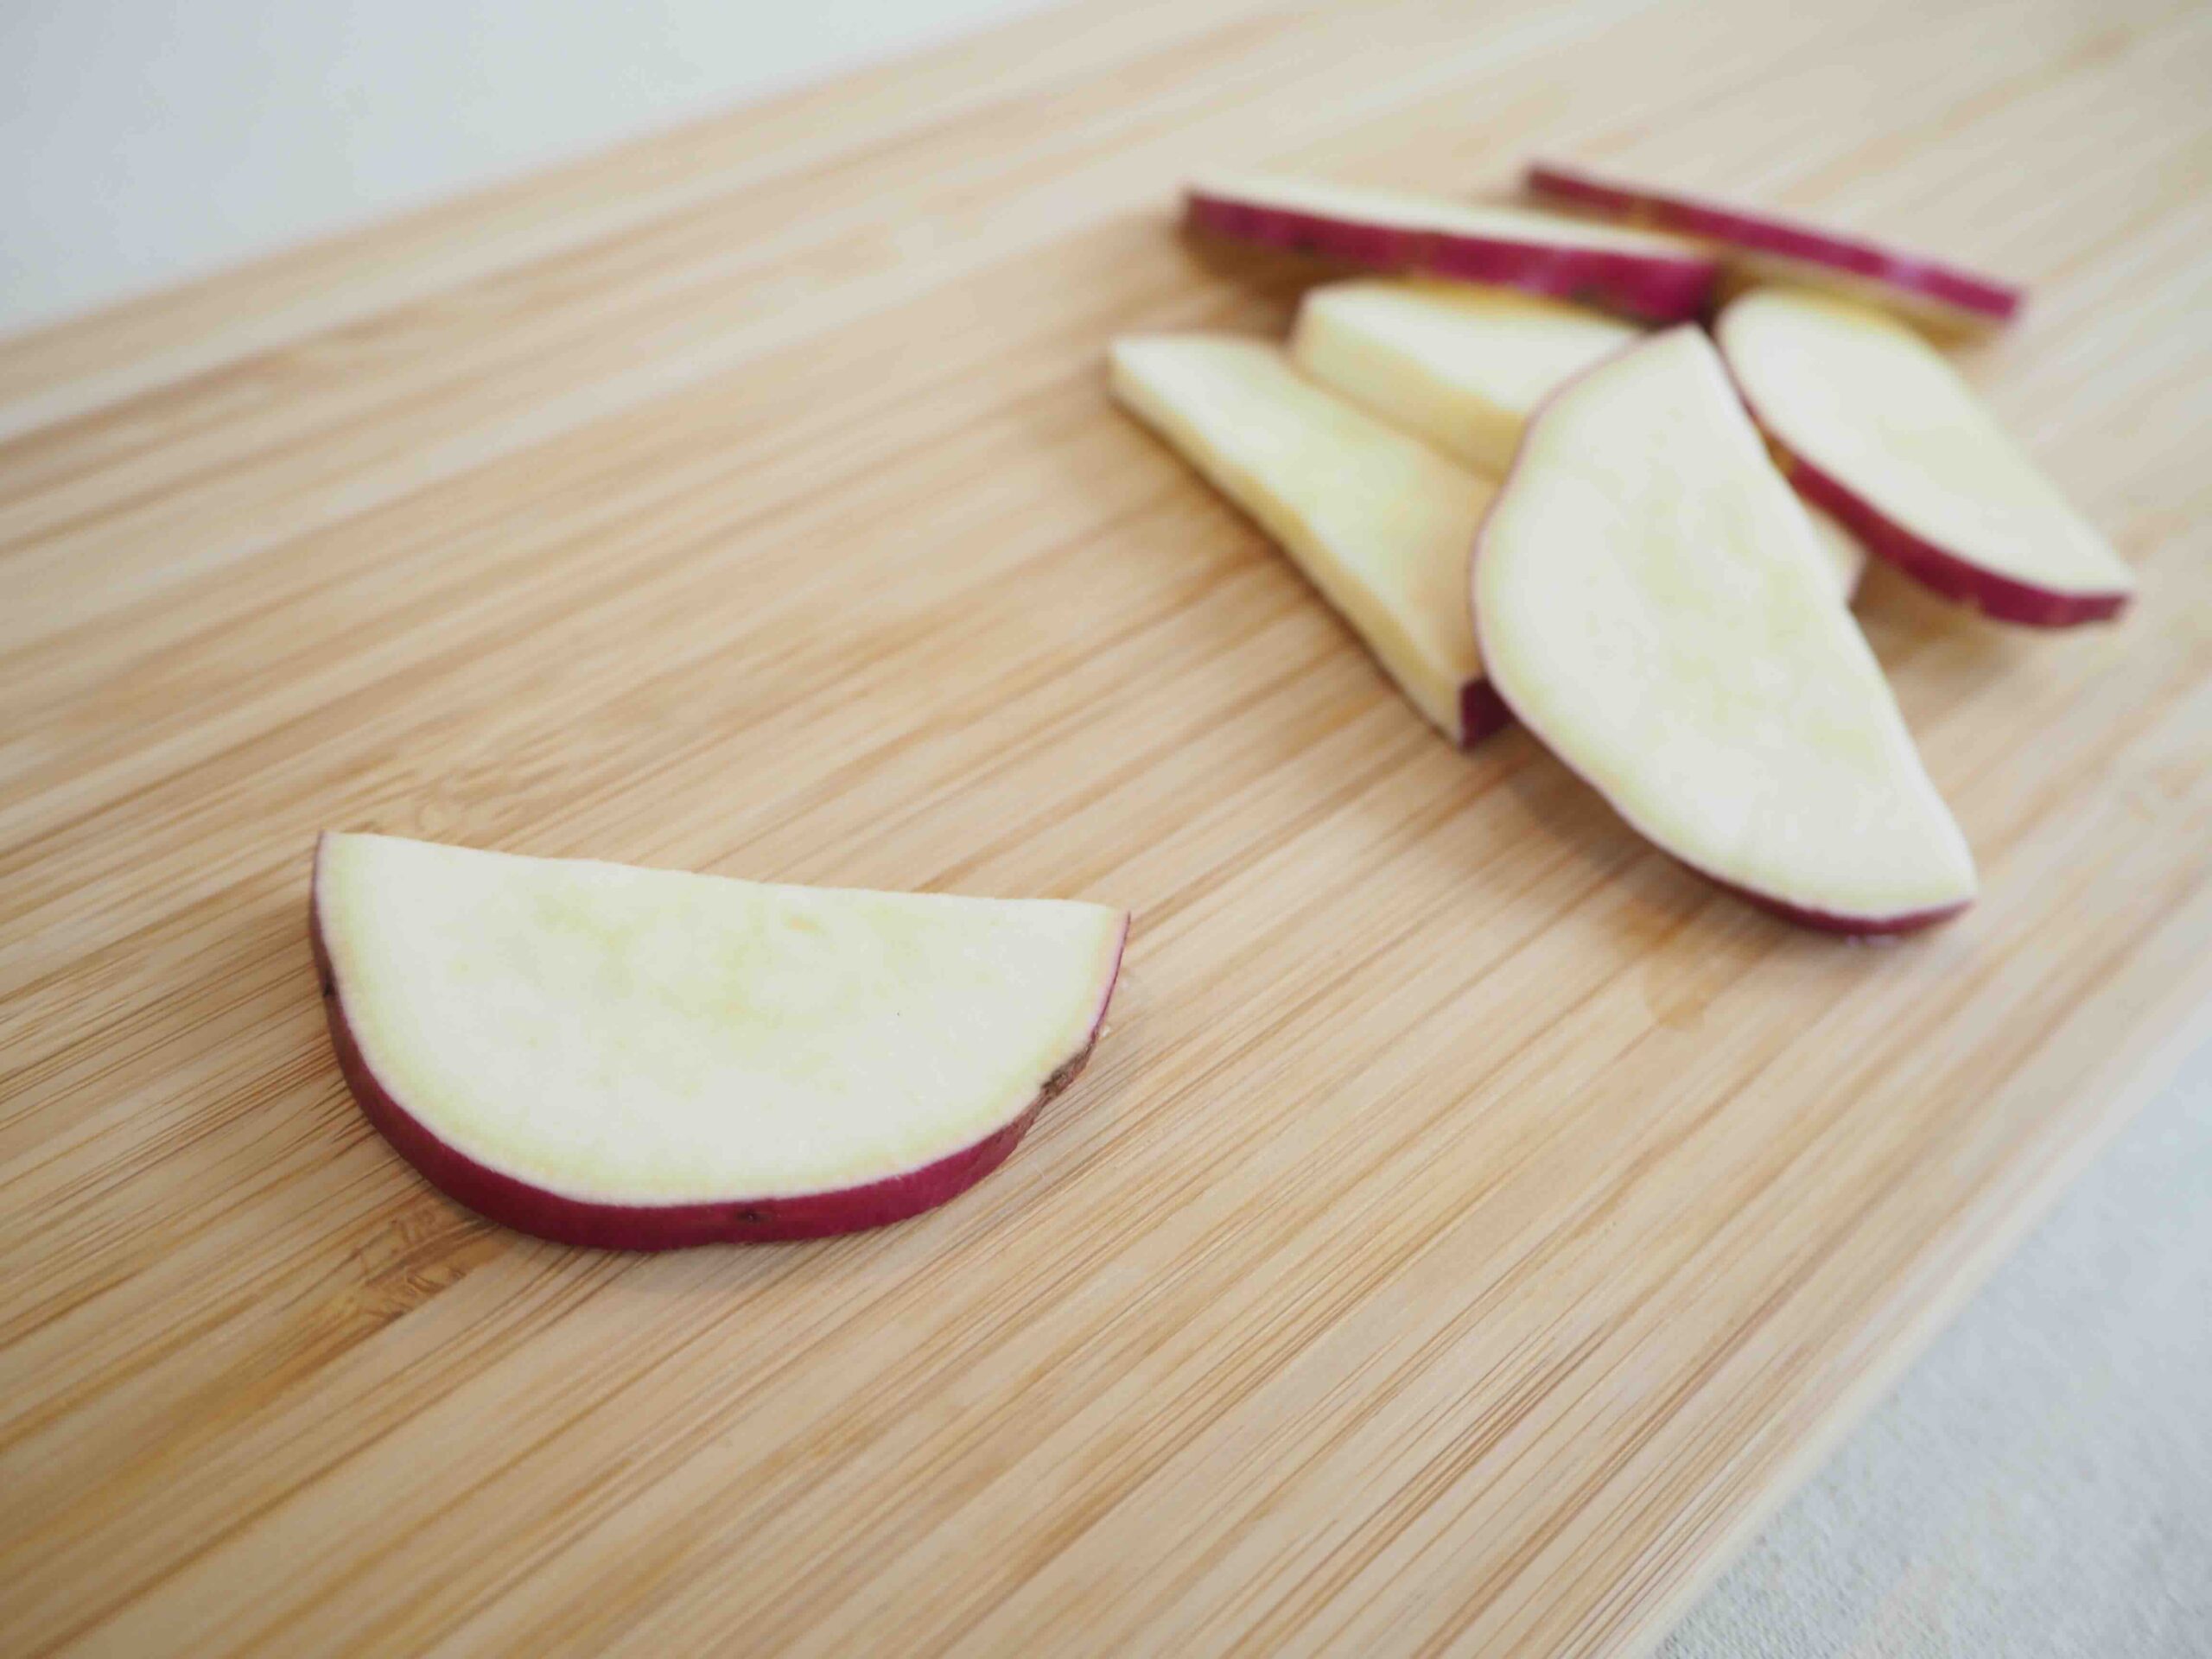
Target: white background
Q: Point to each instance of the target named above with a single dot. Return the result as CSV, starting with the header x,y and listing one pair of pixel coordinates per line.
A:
x,y
145,140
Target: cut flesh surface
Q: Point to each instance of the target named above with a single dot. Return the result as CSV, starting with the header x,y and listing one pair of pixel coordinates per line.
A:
x,y
609,1055
1772,246
1463,368
1842,551
1879,430
1460,366
1651,604
1661,279
1378,521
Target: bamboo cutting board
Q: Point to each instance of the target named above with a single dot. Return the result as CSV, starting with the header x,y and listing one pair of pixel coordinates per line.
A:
x,y
1469,1225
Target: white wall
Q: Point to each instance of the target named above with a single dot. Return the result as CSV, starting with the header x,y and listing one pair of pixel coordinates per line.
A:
x,y
144,141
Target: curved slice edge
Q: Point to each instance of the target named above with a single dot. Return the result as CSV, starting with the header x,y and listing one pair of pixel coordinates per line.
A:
x,y
1820,921
1653,288
545,1214
1997,596
1967,295
1823,921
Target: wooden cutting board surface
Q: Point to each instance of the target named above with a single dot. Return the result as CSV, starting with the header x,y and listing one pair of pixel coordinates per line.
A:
x,y
1470,1224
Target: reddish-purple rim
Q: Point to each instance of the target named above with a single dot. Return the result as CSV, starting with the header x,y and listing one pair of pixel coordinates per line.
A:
x,y
1482,712
546,1214
2000,598
1654,287
1819,920
1997,596
1982,298
1824,921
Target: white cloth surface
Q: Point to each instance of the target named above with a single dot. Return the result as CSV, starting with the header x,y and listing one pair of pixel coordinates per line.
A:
x,y
2039,1486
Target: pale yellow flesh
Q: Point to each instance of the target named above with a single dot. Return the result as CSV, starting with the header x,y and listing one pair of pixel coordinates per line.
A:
x,y
647,1037
1463,368
1379,522
1873,404
1840,550
1656,608
1401,210
1460,366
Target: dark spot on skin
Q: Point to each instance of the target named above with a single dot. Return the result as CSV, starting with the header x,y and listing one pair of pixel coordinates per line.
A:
x,y
1061,1078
